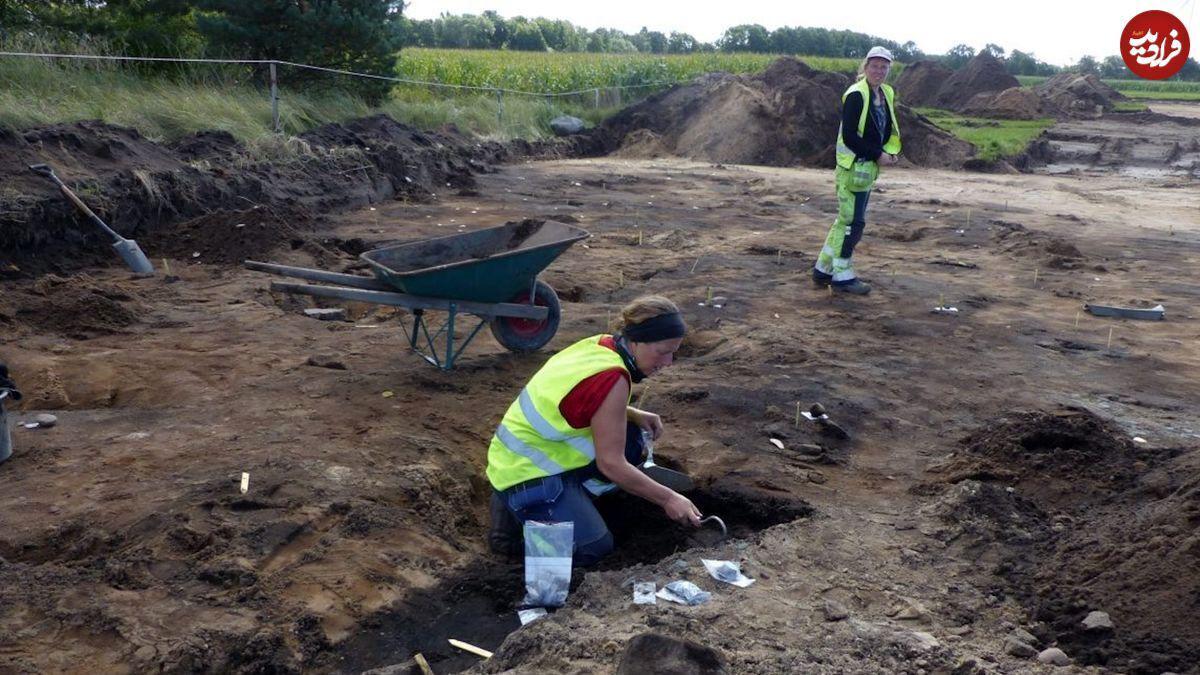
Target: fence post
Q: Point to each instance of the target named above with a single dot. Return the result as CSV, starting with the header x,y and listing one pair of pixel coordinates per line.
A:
x,y
597,92
274,100
500,107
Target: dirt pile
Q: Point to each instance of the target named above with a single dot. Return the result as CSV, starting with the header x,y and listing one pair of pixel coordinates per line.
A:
x,y
165,195
982,74
1074,517
1014,103
77,307
786,116
920,82
1079,95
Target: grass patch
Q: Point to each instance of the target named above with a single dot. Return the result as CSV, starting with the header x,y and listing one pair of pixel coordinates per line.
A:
x,y
1168,90
1129,106
993,139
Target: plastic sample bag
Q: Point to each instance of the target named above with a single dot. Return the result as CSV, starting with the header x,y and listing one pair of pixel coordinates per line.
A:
x,y
548,549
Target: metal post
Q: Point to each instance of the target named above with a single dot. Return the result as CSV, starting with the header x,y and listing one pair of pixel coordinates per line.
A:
x,y
597,91
500,107
274,101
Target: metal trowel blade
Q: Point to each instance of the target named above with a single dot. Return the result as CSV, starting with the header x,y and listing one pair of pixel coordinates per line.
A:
x,y
679,482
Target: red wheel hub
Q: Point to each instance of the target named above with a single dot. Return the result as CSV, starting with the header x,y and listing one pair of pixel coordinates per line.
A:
x,y
526,328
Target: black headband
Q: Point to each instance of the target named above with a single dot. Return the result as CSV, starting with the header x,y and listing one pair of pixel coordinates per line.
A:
x,y
662,327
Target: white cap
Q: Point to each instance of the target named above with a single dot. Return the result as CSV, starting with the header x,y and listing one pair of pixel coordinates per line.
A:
x,y
879,52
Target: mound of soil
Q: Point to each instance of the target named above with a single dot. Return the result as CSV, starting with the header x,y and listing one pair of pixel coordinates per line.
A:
x,y
981,75
1014,103
229,237
146,190
786,116
920,82
1062,456
76,307
1094,524
1079,94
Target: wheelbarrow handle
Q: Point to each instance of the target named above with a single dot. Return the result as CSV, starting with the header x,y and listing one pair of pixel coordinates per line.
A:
x,y
47,171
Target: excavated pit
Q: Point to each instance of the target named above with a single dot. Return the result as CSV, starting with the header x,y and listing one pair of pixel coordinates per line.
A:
x,y
479,605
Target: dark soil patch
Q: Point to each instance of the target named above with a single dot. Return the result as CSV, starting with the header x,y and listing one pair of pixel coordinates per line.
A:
x,y
480,604
145,190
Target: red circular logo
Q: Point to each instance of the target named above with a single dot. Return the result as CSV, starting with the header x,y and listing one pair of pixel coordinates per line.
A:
x,y
1155,45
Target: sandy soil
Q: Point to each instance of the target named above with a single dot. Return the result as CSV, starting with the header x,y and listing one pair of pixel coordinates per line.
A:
x,y
992,482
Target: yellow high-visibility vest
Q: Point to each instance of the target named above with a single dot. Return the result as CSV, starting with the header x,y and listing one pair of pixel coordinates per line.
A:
x,y
533,439
845,156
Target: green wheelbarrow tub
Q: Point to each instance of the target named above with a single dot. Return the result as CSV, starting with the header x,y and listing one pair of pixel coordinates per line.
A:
x,y
489,265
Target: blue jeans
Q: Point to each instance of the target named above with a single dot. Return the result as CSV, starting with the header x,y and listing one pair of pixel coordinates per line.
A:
x,y
562,498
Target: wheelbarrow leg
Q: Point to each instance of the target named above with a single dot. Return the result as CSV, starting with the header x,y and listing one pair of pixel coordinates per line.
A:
x,y
450,338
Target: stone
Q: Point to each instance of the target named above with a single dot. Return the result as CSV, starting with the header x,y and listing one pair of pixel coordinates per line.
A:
x,y
565,125
325,361
910,610
1014,647
1024,636
656,653
46,420
326,313
1054,657
835,611
916,640
1097,621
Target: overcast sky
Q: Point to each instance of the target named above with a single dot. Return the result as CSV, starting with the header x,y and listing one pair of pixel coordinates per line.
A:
x,y
1056,31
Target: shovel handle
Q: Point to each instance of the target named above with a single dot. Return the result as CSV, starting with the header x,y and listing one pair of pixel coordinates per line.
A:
x,y
49,173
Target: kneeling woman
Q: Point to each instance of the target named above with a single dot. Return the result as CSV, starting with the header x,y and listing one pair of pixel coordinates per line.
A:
x,y
572,430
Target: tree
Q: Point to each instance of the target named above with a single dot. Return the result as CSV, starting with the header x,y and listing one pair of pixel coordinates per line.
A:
x,y
745,38
1114,67
958,55
994,49
1088,65
681,43
527,37
358,35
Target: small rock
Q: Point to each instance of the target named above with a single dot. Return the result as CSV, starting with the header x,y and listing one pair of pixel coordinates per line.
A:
x,y
46,420
1024,636
916,640
1015,647
1097,621
835,611
565,125
960,630
817,477
326,313
909,610
1054,657
325,361
679,565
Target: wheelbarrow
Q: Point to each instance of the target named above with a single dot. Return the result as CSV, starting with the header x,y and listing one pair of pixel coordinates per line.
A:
x,y
489,273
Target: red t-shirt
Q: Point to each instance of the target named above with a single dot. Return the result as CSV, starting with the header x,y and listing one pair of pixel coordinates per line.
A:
x,y
580,405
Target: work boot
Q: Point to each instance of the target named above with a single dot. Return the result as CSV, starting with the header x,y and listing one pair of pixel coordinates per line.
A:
x,y
820,279
856,287
504,537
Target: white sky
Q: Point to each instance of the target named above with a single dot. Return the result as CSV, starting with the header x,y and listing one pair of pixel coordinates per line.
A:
x,y
1055,31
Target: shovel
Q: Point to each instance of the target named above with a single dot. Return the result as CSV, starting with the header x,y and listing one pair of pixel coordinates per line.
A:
x,y
127,248
679,482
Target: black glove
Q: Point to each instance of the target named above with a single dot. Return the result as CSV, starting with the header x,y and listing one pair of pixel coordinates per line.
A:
x,y
7,383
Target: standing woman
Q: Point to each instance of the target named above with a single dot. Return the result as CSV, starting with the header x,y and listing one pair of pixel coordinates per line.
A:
x,y
868,137
571,434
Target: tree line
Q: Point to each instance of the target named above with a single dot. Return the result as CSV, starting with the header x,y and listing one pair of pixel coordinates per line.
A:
x,y
366,35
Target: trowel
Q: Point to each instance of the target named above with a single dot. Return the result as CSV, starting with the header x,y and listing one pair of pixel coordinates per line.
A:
x,y
817,414
128,249
677,481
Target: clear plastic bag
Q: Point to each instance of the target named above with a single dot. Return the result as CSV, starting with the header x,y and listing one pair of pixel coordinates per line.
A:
x,y
548,549
684,593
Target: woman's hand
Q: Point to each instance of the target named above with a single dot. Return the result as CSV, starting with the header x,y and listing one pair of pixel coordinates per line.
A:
x,y
681,510
646,421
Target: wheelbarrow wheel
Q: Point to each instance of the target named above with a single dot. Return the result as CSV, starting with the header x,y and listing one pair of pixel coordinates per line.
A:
x,y
526,335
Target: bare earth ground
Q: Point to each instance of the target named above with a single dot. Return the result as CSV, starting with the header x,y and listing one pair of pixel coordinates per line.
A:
x,y
126,546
